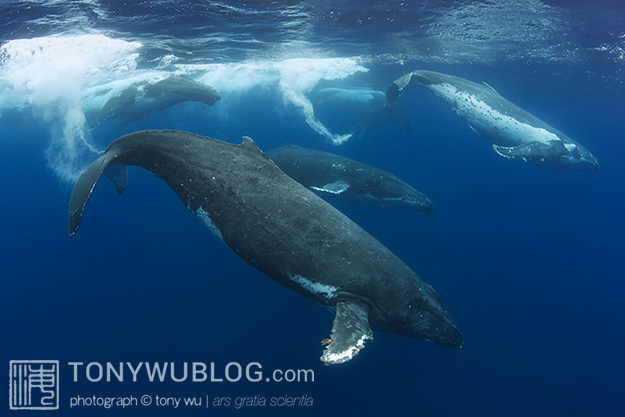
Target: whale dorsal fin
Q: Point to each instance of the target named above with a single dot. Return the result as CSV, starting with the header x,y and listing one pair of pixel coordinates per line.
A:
x,y
288,145
248,143
490,86
349,332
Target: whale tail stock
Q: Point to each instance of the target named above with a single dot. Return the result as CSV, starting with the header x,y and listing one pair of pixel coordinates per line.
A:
x,y
397,86
133,149
392,92
87,181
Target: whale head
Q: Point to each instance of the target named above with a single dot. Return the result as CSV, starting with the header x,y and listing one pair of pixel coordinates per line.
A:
x,y
441,330
412,201
393,192
578,158
424,317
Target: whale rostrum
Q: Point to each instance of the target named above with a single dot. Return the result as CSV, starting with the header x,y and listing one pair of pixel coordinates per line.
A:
x,y
284,231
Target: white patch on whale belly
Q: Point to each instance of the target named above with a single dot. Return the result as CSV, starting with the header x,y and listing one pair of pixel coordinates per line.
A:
x,y
490,122
336,187
325,190
324,290
208,223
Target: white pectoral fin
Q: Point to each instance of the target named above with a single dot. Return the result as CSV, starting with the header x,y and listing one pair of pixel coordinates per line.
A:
x,y
349,332
336,187
532,150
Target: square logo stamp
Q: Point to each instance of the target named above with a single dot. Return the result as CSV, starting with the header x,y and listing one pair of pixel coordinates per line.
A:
x,y
34,385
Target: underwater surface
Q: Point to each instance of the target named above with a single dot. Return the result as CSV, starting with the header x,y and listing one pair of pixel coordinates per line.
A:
x,y
527,259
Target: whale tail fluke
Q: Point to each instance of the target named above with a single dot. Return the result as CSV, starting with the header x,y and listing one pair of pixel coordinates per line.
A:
x,y
392,93
118,173
86,183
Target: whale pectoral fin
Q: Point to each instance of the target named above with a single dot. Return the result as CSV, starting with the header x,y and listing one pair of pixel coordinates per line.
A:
x,y
533,150
336,187
349,332
84,186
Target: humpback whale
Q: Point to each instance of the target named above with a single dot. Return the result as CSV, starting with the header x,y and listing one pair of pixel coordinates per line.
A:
x,y
284,231
514,132
335,176
143,98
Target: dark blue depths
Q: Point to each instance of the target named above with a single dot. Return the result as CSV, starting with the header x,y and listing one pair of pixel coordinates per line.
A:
x,y
528,260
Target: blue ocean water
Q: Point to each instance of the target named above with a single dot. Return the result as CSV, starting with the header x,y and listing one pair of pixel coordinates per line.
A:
x,y
528,260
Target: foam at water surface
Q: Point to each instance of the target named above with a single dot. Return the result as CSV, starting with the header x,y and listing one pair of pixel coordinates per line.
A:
x,y
300,76
63,77
48,75
294,78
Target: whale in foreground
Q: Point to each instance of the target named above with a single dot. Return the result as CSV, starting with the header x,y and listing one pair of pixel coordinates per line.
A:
x,y
285,231
514,132
141,99
335,176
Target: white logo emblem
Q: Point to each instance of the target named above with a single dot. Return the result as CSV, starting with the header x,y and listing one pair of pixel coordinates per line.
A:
x,y
34,385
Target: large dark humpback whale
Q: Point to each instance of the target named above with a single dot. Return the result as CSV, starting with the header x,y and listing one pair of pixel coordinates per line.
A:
x,y
143,98
514,132
285,231
339,177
